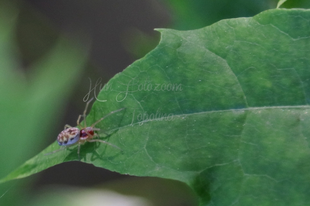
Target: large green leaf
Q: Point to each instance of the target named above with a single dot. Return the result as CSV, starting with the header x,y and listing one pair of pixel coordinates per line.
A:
x,y
223,109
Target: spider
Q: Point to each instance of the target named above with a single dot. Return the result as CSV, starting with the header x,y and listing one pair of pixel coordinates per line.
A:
x,y
73,135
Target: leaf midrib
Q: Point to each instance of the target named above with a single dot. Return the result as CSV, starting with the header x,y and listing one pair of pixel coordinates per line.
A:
x,y
224,110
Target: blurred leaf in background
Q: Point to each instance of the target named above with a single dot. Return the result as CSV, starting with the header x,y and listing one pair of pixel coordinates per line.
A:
x,y
280,3
30,100
296,4
142,191
67,196
195,14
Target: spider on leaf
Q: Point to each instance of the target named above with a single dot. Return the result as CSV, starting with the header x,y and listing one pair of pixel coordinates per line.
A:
x,y
82,133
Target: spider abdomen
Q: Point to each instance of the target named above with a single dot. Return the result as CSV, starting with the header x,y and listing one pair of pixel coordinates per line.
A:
x,y
68,136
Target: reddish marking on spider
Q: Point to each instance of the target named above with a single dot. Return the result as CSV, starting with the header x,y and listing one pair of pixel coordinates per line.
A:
x,y
86,133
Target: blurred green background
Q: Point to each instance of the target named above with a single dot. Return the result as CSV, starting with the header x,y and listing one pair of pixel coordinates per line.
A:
x,y
48,52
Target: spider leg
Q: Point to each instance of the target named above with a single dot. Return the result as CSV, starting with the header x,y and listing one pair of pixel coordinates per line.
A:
x,y
98,140
85,110
67,126
84,114
96,135
90,135
79,146
99,120
78,120
102,132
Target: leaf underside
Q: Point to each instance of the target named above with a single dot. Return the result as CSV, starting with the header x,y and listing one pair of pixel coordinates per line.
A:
x,y
224,109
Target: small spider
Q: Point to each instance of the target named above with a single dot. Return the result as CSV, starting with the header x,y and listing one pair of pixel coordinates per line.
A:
x,y
73,135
